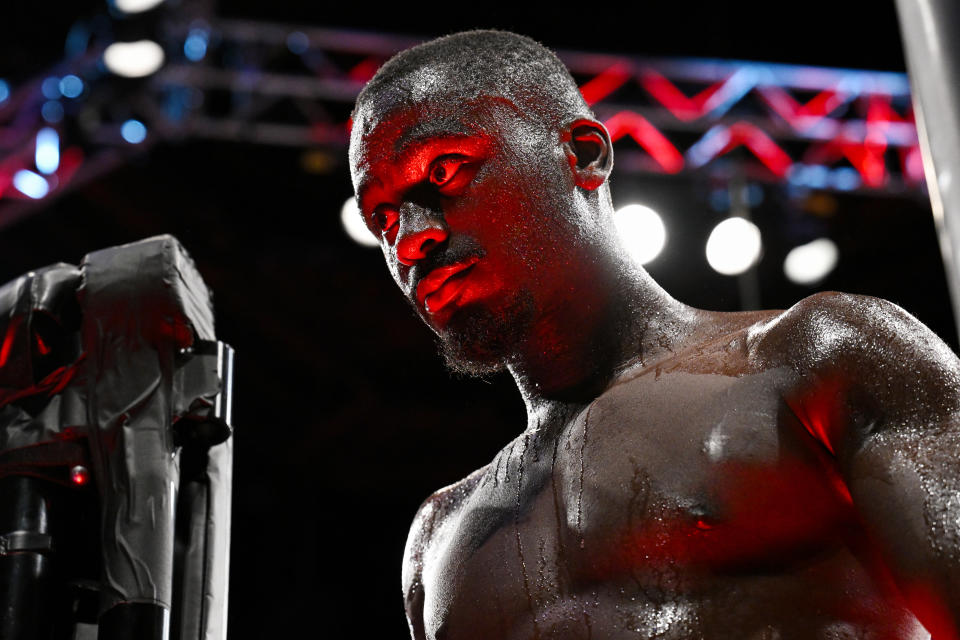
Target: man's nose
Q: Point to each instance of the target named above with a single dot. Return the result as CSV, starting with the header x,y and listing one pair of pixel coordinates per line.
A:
x,y
420,231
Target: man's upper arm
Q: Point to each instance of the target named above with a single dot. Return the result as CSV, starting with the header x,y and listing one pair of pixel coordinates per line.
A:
x,y
412,573
882,393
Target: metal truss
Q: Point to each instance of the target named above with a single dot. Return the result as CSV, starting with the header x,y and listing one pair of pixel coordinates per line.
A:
x,y
291,85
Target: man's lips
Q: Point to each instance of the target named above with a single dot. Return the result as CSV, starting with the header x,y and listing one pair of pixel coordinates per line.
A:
x,y
442,285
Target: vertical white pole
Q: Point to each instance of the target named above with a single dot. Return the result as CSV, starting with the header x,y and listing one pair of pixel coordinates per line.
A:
x,y
930,31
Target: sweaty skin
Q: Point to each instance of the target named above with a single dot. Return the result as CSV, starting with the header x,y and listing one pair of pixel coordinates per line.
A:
x,y
683,473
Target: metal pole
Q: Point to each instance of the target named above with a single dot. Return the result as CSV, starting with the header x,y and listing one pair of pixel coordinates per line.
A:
x,y
27,603
929,29
748,282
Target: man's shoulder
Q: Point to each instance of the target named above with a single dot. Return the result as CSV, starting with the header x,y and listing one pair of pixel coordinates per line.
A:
x,y
428,524
833,329
876,356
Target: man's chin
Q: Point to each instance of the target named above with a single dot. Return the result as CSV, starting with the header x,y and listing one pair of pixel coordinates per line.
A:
x,y
466,362
478,341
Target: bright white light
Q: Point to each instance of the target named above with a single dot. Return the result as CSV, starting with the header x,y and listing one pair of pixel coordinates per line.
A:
x,y
733,246
133,59
30,184
135,6
354,226
47,154
133,131
641,231
809,263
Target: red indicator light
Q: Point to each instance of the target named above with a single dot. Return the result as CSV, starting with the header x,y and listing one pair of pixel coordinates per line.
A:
x,y
79,475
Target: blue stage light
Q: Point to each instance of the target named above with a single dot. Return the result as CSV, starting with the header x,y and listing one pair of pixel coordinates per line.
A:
x,y
298,42
133,131
195,46
4,91
71,86
50,88
52,111
845,178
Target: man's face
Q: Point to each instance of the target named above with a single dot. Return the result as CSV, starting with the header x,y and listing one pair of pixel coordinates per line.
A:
x,y
472,206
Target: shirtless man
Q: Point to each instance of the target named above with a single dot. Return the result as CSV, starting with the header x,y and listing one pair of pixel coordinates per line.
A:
x,y
683,473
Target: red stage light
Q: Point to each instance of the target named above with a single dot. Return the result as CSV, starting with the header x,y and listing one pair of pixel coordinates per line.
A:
x,y
605,83
722,139
761,145
364,70
79,475
802,116
867,157
627,123
672,98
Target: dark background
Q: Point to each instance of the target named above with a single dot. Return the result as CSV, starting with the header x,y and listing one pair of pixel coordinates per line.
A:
x,y
345,417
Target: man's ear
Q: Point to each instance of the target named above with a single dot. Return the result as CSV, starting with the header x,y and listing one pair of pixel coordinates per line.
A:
x,y
589,152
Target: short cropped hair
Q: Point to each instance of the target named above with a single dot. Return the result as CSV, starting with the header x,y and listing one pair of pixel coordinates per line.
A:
x,y
475,63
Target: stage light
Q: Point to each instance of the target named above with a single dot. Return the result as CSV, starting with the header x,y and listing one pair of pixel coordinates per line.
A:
x,y
298,42
71,86
133,59
641,231
52,111
79,475
809,175
4,91
845,178
720,199
195,46
810,263
50,88
133,131
733,246
47,153
135,6
30,184
354,226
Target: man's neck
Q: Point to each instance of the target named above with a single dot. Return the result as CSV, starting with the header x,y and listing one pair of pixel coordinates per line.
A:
x,y
574,353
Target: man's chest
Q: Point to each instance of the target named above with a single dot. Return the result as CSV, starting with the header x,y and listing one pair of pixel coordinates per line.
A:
x,y
703,471
658,487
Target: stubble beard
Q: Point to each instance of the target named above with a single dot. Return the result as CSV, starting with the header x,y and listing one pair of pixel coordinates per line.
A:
x,y
479,340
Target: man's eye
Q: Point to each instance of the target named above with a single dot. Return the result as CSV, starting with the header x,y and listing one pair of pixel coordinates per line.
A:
x,y
445,168
385,219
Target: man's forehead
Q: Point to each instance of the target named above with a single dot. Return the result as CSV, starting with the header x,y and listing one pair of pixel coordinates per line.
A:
x,y
436,114
383,131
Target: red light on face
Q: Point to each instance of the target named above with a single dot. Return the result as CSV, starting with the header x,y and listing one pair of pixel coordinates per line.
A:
x,y
79,475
